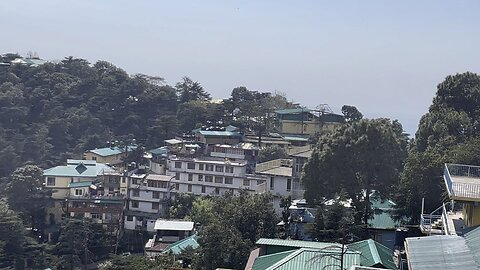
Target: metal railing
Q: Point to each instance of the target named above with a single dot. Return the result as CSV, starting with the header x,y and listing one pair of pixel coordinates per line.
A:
x,y
265,166
462,170
435,220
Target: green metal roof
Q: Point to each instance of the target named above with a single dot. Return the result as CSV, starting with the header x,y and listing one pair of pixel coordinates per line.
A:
x,y
263,262
294,243
382,218
374,254
472,239
78,168
315,259
293,111
179,246
80,184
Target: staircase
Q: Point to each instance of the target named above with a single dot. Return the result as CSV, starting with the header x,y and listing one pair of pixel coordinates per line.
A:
x,y
436,222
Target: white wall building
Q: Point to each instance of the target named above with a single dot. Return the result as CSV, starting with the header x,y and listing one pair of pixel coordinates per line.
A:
x,y
209,175
147,200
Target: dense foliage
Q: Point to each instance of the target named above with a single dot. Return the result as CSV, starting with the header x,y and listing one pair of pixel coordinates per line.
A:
x,y
58,110
358,157
447,133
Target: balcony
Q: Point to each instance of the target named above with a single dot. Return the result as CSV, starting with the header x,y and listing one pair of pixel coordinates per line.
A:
x,y
462,182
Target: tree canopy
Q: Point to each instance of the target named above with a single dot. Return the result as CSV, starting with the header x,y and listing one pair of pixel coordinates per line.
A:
x,y
357,158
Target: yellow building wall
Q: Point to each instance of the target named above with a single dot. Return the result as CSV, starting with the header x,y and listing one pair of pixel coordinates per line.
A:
x,y
471,214
309,127
101,159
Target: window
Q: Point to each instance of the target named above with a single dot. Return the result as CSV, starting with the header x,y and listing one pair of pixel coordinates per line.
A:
x,y
177,186
123,180
246,182
155,205
272,183
200,167
78,192
208,178
129,218
203,189
209,167
200,177
191,166
219,168
217,190
229,169
50,181
134,204
190,177
228,180
134,181
218,179
177,176
189,188
97,215
94,158
156,195
135,193
178,164
289,184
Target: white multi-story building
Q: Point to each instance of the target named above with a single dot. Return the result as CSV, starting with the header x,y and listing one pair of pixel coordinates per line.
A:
x,y
280,182
148,196
209,175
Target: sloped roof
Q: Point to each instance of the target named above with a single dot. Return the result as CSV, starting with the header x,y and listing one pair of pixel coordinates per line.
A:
x,y
110,151
293,111
179,246
439,252
78,168
294,243
263,262
472,239
374,254
314,259
216,133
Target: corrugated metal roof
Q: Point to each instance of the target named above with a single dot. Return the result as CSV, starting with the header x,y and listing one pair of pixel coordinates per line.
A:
x,y
72,169
294,243
315,259
179,246
263,262
293,111
280,171
473,242
217,133
374,254
110,151
439,252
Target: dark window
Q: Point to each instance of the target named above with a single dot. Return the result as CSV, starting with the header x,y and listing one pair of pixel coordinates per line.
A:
x,y
200,167
209,167
200,177
51,181
189,188
208,178
178,164
219,168
218,179
129,218
228,180
155,205
191,166
190,177
177,176
203,189
134,204
135,193
289,184
272,183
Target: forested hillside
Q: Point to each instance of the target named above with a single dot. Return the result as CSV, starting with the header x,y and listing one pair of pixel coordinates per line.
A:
x,y
57,110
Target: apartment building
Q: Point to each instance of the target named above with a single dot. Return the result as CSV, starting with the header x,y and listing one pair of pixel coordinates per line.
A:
x,y
148,195
209,175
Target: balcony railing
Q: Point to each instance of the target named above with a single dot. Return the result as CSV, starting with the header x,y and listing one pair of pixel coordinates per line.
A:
x,y
265,166
437,222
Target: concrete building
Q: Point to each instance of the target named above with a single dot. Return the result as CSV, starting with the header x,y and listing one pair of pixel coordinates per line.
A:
x,y
167,232
305,121
148,196
108,155
209,175
280,181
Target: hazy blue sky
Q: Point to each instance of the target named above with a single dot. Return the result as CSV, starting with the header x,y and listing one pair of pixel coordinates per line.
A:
x,y
385,57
